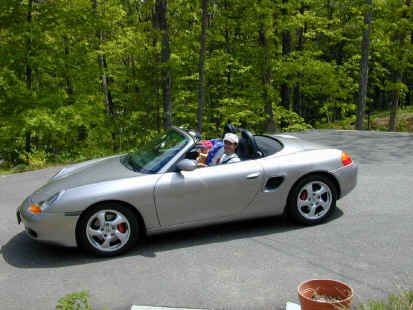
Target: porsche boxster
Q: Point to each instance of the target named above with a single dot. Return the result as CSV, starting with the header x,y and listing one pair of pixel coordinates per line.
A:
x,y
106,205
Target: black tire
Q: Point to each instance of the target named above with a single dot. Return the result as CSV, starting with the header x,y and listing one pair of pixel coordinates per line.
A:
x,y
107,230
312,200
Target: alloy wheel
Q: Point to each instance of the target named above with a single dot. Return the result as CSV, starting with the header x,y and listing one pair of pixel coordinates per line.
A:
x,y
314,200
108,230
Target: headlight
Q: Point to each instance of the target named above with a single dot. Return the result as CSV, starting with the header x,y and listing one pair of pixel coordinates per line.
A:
x,y
43,205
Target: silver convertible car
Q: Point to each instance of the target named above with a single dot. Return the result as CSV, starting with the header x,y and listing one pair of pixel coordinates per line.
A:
x,y
106,205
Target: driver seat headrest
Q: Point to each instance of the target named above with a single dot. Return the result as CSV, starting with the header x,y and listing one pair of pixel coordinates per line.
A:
x,y
247,147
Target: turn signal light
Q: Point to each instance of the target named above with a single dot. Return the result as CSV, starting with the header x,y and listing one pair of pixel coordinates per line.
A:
x,y
346,159
35,209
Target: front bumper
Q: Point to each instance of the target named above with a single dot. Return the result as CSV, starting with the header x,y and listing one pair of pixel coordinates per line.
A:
x,y
56,228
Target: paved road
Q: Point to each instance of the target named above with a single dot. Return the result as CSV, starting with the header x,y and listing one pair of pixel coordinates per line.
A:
x,y
250,265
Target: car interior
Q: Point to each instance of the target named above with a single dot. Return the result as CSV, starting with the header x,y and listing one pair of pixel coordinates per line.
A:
x,y
249,147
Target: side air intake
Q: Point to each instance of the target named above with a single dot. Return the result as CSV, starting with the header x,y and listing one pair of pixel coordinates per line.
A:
x,y
273,183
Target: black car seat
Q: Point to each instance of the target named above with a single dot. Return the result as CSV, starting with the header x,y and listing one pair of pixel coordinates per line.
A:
x,y
247,147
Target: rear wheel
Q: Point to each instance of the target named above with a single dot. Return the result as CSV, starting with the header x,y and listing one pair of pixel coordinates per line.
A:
x,y
108,230
312,200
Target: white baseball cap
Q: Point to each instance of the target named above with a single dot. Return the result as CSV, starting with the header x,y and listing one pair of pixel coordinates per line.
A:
x,y
231,137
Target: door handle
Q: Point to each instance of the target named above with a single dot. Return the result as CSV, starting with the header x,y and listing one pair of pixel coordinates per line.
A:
x,y
253,175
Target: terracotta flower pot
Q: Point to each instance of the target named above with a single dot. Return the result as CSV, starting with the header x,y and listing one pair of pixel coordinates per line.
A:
x,y
324,295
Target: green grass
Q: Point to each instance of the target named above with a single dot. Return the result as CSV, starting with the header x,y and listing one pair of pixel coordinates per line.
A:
x,y
402,301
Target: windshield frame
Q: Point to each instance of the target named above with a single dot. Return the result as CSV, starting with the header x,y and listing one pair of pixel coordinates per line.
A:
x,y
189,142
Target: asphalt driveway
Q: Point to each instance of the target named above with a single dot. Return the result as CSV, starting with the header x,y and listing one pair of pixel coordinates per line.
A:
x,y
368,243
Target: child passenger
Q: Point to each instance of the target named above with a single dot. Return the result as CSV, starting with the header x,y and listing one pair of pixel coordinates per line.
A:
x,y
204,149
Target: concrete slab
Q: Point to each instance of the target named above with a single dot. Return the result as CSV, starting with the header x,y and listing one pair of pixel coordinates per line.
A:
x,y
134,307
292,306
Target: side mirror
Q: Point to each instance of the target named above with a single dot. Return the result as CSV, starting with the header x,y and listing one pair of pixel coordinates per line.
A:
x,y
186,165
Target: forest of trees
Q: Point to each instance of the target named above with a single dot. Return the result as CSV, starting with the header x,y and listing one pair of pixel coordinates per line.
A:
x,y
83,78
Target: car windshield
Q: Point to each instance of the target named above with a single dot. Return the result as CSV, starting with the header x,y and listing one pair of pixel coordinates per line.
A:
x,y
153,156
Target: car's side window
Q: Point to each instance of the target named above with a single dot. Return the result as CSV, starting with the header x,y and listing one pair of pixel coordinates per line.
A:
x,y
213,156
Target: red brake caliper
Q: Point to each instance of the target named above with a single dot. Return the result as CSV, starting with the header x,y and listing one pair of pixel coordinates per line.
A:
x,y
303,195
122,228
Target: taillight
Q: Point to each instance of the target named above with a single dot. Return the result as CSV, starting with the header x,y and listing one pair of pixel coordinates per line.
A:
x,y
346,159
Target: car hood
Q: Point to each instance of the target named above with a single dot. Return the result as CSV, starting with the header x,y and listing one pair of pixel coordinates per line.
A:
x,y
95,171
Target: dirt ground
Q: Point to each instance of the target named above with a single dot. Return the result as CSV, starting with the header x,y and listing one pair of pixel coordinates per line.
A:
x,y
404,123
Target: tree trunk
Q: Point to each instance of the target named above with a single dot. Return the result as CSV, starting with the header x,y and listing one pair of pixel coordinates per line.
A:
x,y
103,68
228,51
270,125
201,65
161,13
134,75
28,141
409,88
329,10
29,48
29,77
300,46
364,69
69,85
400,37
105,81
395,102
286,49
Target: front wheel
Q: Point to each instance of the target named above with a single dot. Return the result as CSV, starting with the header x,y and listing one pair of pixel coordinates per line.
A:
x,y
108,230
312,200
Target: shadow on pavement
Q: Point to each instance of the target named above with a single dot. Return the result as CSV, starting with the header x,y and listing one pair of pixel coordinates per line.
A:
x,y
22,252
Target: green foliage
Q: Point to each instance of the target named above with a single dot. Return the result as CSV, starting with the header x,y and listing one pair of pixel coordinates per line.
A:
x,y
344,124
291,121
34,160
79,81
74,301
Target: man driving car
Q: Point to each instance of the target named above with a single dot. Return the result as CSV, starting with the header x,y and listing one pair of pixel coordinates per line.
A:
x,y
230,146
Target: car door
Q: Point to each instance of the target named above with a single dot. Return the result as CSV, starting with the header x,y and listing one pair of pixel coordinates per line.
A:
x,y
207,193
